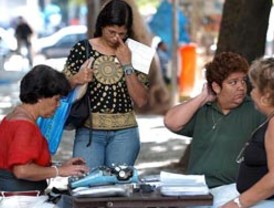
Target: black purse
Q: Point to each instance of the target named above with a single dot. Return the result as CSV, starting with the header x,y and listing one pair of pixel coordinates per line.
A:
x,y
80,110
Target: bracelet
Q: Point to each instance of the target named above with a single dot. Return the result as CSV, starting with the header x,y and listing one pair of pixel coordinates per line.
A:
x,y
56,170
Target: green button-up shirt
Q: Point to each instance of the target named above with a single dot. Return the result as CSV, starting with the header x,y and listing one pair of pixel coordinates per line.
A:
x,y
217,140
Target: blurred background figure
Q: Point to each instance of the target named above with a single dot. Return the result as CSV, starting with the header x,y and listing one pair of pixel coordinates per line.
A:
x,y
23,33
162,51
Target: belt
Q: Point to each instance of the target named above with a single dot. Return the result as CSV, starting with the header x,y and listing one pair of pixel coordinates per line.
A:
x,y
20,193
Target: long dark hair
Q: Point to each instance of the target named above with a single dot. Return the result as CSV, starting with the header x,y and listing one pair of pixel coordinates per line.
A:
x,y
115,12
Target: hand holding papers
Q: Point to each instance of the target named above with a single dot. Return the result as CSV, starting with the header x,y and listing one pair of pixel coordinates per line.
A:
x,y
178,185
142,55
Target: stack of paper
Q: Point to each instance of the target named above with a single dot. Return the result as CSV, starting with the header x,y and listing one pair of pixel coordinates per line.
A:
x,y
178,184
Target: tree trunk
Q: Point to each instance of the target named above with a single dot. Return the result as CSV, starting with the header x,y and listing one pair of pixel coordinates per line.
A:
x,y
159,96
243,27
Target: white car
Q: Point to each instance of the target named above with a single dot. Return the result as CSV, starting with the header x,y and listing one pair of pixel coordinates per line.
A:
x,y
58,45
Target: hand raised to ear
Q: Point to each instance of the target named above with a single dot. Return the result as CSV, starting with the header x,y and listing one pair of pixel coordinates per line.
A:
x,y
208,93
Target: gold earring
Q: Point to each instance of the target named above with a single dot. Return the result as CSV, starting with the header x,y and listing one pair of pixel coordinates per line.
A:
x,y
264,101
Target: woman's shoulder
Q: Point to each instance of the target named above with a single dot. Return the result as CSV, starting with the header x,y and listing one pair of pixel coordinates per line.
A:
x,y
20,122
19,125
79,44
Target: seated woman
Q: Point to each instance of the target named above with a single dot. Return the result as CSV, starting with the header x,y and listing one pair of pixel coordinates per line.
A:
x,y
25,162
255,179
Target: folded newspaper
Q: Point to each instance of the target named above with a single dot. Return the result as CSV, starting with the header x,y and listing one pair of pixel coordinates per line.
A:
x,y
179,185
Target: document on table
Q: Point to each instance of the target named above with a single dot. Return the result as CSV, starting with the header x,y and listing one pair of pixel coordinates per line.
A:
x,y
142,55
178,184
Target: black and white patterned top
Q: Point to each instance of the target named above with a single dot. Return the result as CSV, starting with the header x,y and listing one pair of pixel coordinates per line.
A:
x,y
112,107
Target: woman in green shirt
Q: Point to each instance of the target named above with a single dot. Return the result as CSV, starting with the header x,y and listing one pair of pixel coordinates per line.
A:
x,y
220,120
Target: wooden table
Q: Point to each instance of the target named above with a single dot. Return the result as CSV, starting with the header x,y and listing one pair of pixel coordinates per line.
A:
x,y
143,200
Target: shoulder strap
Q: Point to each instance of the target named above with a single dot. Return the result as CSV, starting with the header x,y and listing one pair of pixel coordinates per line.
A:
x,y
88,98
87,48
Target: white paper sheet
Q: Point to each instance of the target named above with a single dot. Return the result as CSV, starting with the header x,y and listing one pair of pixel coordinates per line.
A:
x,y
142,55
174,179
184,190
178,184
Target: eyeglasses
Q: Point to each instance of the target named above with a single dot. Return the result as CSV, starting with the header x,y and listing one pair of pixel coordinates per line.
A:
x,y
112,33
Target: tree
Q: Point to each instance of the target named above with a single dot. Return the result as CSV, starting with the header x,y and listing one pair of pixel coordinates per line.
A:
x,y
243,27
159,96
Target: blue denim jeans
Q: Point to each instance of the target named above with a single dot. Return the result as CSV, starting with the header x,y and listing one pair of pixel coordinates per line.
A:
x,y
119,147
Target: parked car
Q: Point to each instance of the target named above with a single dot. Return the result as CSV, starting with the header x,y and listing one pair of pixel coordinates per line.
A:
x,y
58,45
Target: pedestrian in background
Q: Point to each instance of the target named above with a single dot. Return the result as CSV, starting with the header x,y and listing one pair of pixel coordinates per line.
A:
x,y
115,87
23,34
162,51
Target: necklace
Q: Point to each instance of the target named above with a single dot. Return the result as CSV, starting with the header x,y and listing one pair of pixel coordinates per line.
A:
x,y
215,122
240,157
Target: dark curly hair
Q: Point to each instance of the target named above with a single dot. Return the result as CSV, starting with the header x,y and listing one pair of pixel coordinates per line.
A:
x,y
115,12
43,82
223,65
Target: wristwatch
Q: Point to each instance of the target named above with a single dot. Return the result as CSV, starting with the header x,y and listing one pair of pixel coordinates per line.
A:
x,y
128,69
237,201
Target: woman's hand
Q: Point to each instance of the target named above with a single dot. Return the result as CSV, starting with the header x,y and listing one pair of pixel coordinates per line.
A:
x,y
75,161
207,92
73,167
84,75
123,52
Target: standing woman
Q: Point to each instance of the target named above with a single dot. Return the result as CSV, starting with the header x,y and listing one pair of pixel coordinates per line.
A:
x,y
255,180
114,87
